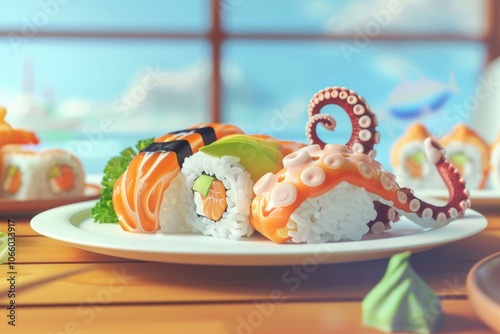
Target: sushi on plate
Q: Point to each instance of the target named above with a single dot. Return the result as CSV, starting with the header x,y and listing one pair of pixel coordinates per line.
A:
x,y
27,174
148,196
469,153
409,161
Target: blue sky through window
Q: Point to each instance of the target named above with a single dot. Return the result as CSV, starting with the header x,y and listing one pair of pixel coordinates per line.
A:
x,y
125,15
63,88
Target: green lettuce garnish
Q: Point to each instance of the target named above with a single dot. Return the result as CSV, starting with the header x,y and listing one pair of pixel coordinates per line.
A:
x,y
103,211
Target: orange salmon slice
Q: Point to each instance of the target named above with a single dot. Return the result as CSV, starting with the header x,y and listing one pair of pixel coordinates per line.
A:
x,y
215,203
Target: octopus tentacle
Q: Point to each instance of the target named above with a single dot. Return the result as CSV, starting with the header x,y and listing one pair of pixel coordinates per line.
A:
x,y
364,135
385,215
312,172
429,215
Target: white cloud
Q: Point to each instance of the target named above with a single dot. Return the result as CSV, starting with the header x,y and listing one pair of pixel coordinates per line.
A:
x,y
178,99
74,109
155,101
423,16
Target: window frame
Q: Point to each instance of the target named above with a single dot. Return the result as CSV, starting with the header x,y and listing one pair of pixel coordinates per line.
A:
x,y
216,36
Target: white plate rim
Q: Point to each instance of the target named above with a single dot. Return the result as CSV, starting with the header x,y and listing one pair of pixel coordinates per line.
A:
x,y
15,207
484,198
61,224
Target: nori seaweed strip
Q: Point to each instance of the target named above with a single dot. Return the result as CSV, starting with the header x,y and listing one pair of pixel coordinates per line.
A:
x,y
207,134
182,148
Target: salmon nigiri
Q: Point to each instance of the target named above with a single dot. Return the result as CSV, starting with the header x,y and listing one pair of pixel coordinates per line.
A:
x,y
146,186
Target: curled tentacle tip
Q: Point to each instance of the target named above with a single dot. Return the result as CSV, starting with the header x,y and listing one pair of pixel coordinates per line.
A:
x,y
326,120
433,150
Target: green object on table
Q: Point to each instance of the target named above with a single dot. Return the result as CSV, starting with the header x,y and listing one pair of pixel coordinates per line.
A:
x,y
401,301
3,247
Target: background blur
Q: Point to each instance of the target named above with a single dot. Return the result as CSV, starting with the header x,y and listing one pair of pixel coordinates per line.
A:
x,y
94,76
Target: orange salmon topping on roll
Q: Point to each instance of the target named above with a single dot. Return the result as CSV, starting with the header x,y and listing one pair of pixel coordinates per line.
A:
x,y
138,193
8,135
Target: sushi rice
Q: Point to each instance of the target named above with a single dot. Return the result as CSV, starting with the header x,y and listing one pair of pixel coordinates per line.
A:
x,y
35,174
174,206
234,223
342,213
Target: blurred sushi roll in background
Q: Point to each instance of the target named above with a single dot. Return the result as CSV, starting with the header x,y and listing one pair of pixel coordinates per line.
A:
x,y
464,148
495,163
469,153
47,174
411,167
27,174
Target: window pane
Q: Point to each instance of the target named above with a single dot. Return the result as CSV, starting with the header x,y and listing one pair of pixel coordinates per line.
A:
x,y
369,17
128,15
97,97
271,84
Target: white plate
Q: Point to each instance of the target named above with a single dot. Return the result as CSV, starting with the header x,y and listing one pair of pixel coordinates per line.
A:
x,y
484,198
31,207
72,224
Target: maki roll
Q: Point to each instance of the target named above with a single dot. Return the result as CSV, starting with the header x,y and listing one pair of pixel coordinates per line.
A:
x,y
149,195
495,164
469,153
220,198
408,159
219,180
27,175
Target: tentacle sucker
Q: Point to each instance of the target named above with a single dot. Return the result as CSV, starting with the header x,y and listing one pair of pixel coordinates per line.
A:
x,y
315,172
364,135
429,215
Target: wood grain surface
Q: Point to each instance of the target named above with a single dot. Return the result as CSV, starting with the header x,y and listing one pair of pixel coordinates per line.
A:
x,y
63,289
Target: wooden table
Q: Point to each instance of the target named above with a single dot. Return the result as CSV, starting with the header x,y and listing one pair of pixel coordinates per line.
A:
x,y
62,289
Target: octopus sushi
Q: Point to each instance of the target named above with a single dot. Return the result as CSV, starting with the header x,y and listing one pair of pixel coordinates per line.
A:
x,y
469,153
327,194
364,137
